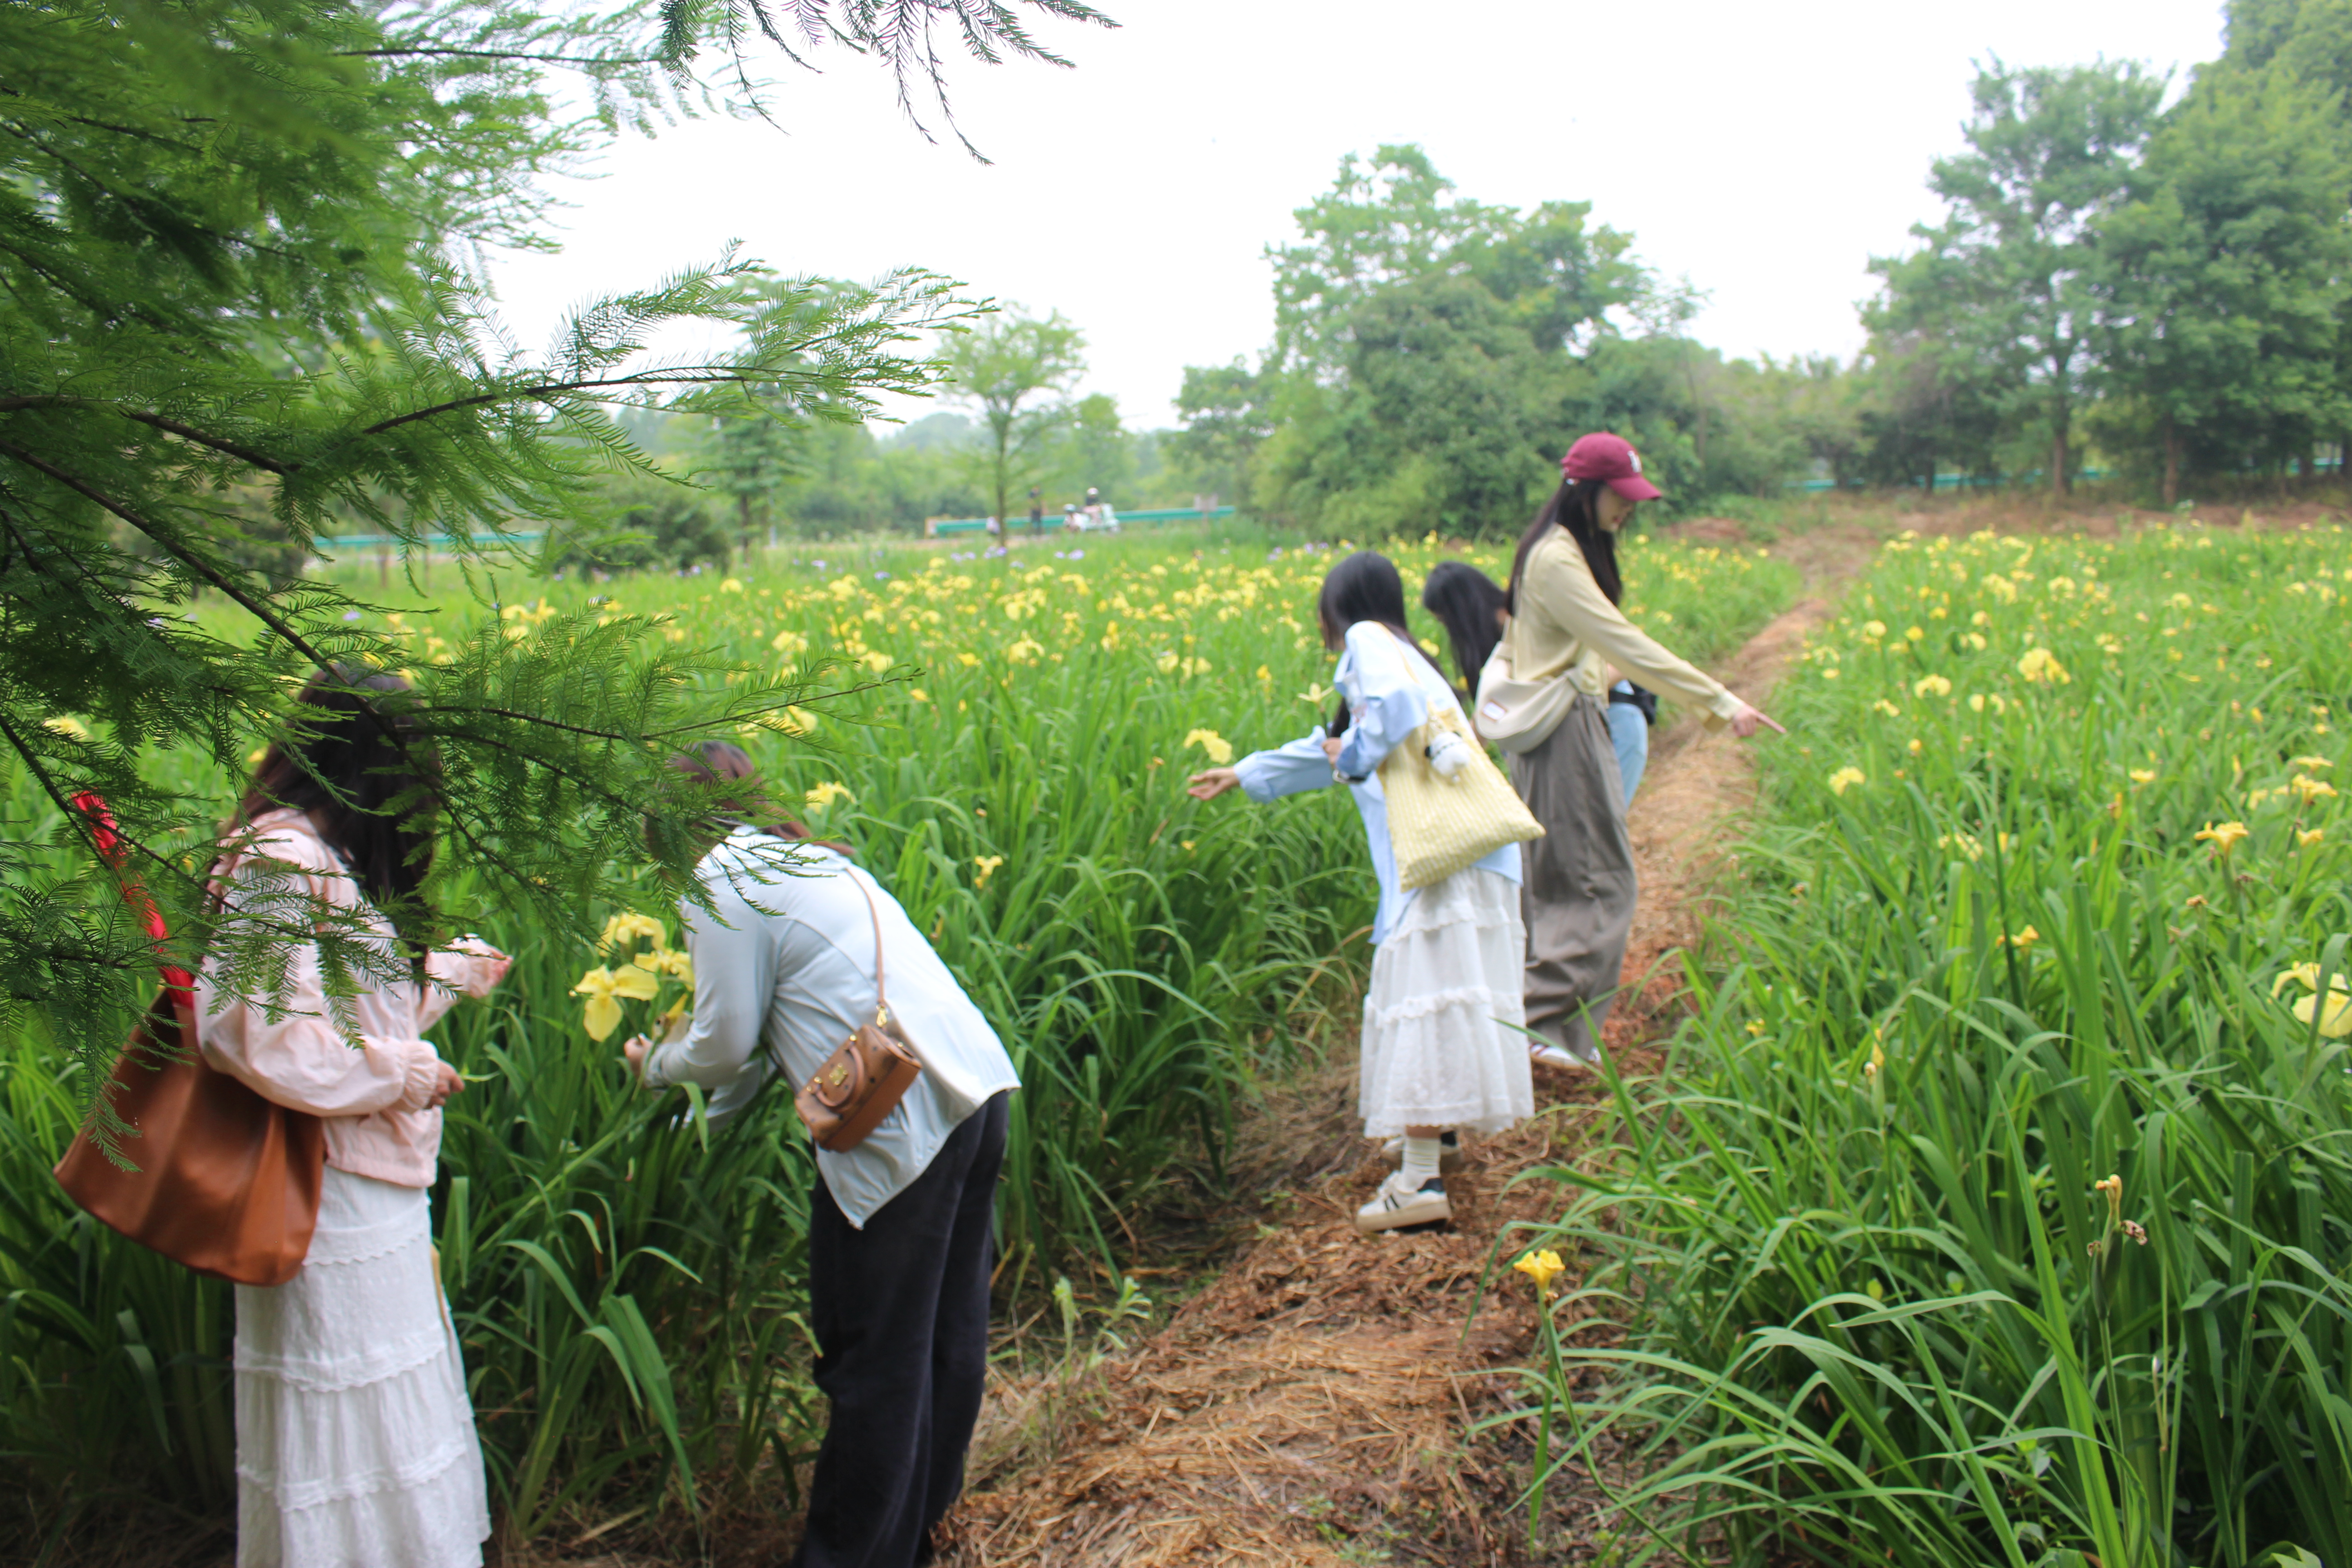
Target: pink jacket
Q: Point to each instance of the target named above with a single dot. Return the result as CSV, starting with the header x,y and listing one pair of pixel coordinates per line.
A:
x,y
371,1083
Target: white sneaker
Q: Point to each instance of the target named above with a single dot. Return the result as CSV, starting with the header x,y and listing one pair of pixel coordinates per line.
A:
x,y
1395,1205
1449,1150
1553,1055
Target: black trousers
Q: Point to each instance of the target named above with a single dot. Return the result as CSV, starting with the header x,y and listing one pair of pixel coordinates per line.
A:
x,y
900,1311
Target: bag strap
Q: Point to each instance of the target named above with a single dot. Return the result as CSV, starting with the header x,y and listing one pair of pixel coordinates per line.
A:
x,y
881,996
1407,653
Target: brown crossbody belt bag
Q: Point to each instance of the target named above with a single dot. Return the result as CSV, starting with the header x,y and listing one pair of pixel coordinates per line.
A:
x,y
869,1074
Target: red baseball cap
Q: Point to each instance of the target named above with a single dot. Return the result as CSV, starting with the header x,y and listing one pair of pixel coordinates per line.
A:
x,y
1601,456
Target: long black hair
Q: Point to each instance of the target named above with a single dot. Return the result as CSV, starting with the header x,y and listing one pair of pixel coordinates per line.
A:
x,y
366,776
1576,507
1363,587
1469,605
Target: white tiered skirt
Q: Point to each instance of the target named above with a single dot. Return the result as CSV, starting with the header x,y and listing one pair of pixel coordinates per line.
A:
x,y
355,1445
1439,1045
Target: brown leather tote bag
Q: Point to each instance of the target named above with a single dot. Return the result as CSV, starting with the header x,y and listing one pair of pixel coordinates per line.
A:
x,y
217,1178
222,1180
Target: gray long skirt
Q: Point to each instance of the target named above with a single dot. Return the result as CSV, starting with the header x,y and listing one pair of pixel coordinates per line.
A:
x,y
1576,899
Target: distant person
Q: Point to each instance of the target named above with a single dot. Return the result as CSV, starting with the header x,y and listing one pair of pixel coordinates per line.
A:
x,y
355,1439
1441,1047
1037,515
787,966
1579,896
1070,518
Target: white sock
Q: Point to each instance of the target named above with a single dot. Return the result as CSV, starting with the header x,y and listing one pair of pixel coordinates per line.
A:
x,y
1420,1162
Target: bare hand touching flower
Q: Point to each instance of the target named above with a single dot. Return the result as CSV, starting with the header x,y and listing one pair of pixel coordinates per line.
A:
x,y
1211,783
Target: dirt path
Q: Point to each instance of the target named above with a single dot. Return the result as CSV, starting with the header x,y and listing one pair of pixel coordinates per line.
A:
x,y
1313,1405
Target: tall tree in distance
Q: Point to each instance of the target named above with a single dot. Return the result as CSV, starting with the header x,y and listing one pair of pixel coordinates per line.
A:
x,y
2222,280
1426,365
1002,365
2004,281
1225,412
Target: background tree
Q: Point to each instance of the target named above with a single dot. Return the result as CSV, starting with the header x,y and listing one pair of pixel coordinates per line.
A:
x,y
1226,413
1000,364
2311,41
651,523
2222,280
2002,284
231,237
1426,368
1089,448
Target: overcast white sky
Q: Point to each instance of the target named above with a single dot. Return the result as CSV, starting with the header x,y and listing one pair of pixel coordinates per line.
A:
x,y
1765,150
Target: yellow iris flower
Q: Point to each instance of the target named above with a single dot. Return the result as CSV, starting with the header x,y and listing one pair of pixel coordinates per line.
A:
x,y
623,930
1542,1267
667,961
2039,666
1220,750
605,988
2224,837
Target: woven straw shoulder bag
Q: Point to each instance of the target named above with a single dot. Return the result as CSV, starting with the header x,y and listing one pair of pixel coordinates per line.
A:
x,y
1438,825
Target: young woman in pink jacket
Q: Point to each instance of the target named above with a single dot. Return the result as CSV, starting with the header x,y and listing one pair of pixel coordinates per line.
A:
x,y
355,1442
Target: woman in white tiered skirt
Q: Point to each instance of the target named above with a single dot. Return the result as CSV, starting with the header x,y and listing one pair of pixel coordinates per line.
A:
x,y
1441,1047
354,1437
355,1442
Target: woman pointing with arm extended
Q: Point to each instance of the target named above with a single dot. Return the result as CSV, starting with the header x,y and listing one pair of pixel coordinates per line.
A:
x,y
1579,888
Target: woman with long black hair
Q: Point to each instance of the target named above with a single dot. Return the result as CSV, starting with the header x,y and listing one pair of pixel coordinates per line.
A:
x,y
1578,899
1441,1048
355,1443
1470,606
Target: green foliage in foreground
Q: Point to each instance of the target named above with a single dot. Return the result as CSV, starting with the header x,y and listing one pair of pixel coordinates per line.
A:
x,y
1882,1309
629,1299
234,324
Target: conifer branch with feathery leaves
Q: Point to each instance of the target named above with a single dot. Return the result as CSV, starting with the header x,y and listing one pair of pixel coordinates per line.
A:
x,y
236,242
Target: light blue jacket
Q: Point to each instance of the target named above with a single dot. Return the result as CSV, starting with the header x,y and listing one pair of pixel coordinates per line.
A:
x,y
791,969
1390,689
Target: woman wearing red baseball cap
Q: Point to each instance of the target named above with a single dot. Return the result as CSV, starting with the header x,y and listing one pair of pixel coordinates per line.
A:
x,y
1579,890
